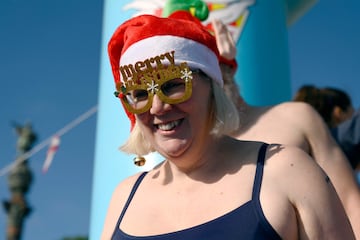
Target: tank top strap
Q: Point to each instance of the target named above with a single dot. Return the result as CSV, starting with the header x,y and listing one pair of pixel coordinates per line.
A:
x,y
259,173
266,226
132,193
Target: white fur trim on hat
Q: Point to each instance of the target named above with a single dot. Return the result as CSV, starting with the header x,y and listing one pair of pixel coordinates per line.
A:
x,y
195,54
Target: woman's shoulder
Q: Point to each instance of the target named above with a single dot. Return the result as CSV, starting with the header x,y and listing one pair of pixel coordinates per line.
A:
x,y
290,172
291,166
117,202
127,184
284,156
277,156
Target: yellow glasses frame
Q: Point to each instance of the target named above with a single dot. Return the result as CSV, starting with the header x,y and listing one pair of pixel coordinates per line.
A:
x,y
154,87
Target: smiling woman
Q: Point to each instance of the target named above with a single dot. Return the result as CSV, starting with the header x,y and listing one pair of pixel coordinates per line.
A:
x,y
177,107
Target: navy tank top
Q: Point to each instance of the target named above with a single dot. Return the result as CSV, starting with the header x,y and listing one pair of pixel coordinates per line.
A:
x,y
245,222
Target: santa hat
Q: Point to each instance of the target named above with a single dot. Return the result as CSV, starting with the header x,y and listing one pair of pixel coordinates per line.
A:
x,y
147,39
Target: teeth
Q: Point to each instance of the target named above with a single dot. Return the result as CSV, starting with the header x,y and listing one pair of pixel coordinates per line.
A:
x,y
168,126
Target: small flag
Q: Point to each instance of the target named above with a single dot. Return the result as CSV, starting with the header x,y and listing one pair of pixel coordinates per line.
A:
x,y
53,147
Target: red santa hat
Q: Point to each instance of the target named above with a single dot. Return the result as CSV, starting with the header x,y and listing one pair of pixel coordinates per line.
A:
x,y
147,39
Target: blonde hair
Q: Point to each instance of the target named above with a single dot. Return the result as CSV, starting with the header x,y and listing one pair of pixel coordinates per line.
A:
x,y
223,120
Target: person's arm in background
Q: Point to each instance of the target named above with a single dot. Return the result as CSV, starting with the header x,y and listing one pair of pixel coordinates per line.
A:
x,y
333,161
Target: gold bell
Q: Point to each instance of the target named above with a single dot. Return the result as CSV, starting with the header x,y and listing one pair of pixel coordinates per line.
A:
x,y
139,161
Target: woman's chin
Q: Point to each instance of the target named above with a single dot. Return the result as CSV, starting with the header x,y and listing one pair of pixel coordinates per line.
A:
x,y
174,148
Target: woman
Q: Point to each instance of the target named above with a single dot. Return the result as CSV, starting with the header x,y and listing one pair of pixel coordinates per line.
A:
x,y
336,109
210,186
333,104
347,135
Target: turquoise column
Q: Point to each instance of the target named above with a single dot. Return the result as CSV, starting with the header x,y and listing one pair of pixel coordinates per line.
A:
x,y
262,50
113,127
263,57
263,76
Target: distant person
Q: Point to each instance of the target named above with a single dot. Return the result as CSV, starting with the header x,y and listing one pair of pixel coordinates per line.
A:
x,y
210,186
333,104
335,107
347,134
295,124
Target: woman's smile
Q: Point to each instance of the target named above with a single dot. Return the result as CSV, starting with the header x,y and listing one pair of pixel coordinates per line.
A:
x,y
169,125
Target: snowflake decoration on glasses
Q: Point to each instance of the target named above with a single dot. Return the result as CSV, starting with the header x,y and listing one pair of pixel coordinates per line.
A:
x,y
186,74
153,88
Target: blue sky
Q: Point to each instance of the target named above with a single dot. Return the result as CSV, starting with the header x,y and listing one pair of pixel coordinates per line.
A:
x,y
49,70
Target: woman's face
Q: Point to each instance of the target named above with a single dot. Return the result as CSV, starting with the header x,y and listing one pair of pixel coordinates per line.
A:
x,y
173,129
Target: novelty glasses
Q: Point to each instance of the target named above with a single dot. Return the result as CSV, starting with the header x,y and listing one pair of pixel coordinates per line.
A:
x,y
171,86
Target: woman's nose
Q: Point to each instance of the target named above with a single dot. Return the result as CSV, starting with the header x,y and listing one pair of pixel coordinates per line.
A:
x,y
158,106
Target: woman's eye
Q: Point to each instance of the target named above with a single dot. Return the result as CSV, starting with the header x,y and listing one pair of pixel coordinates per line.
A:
x,y
173,86
139,95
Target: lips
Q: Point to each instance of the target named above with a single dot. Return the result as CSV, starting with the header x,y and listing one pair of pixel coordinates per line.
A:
x,y
169,125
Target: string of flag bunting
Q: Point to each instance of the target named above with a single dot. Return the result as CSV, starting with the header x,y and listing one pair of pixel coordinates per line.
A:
x,y
53,142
